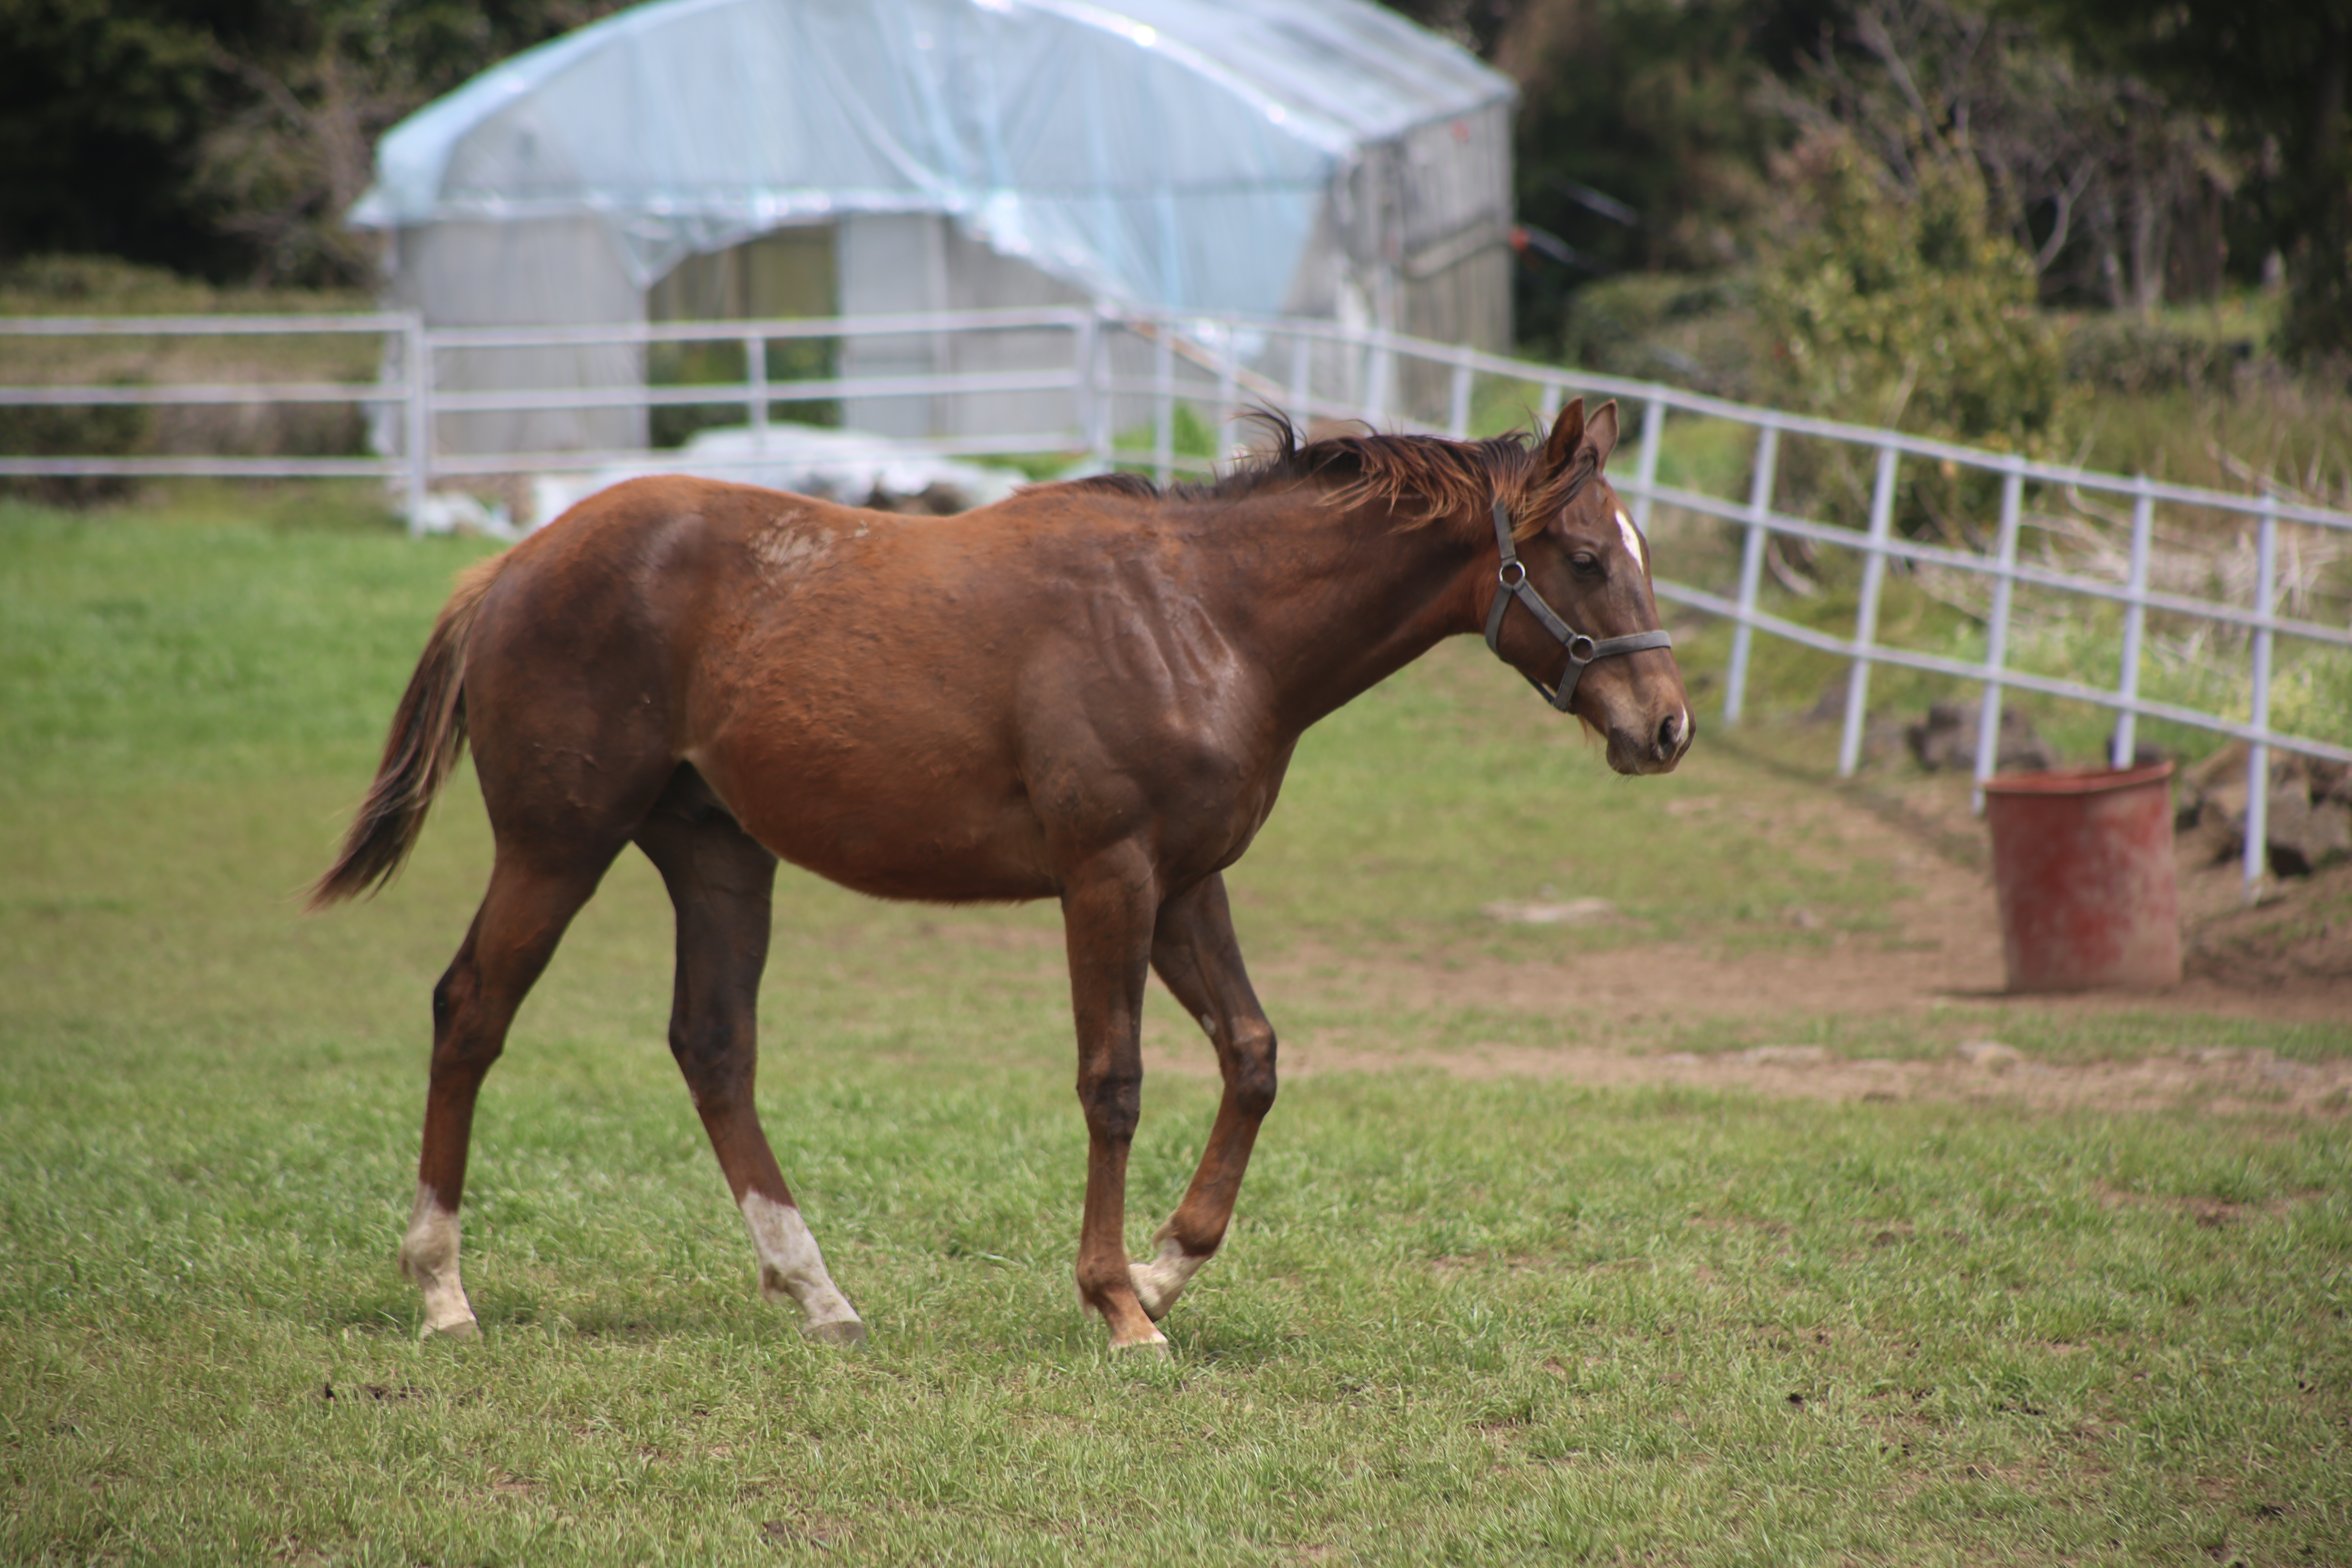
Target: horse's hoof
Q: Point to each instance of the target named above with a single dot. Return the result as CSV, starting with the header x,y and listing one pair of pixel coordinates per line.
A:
x,y
1162,1277
846,1332
1156,1348
463,1331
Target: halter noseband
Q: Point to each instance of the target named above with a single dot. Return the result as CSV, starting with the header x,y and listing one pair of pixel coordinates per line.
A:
x,y
1512,575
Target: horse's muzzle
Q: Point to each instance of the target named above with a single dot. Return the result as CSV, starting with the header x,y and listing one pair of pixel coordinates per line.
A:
x,y
1658,750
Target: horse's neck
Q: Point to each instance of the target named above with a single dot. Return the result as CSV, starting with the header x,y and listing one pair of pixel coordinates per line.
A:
x,y
1350,598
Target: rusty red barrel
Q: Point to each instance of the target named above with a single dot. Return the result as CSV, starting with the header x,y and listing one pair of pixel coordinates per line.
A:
x,y
2082,859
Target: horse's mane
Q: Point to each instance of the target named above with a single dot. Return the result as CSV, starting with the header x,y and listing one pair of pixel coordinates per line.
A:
x,y
1423,477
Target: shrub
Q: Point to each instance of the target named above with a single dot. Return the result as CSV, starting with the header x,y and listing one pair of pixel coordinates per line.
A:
x,y
2122,353
72,432
1687,330
1904,307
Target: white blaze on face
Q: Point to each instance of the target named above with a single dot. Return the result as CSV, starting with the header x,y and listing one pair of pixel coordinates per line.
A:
x,y
428,1254
790,1264
1632,541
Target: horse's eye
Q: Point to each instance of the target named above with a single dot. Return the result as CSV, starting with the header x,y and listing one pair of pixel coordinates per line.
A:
x,y
1587,563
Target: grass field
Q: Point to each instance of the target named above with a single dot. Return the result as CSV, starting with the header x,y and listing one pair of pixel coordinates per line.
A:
x,y
1460,1319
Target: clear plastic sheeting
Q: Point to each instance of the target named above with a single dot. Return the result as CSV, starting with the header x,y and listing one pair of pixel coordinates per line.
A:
x,y
1171,152
1316,157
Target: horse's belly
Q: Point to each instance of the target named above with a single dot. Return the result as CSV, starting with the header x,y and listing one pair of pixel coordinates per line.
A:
x,y
897,821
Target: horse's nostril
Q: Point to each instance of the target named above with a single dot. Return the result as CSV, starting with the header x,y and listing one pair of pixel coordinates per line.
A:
x,y
1669,732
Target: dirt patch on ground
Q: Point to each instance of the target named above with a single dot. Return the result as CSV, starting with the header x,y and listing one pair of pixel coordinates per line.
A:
x,y
1944,947
2297,938
2287,960
2224,1082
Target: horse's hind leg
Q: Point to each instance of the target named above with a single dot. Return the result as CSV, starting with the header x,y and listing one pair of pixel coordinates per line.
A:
x,y
531,901
1194,951
721,879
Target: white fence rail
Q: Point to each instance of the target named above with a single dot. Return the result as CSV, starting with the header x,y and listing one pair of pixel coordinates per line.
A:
x,y
1121,377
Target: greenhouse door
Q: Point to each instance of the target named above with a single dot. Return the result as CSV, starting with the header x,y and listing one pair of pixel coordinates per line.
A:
x,y
786,275
912,263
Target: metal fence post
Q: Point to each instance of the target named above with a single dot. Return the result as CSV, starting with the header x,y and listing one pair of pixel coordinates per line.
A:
x,y
2012,494
1228,379
2257,755
755,378
1645,480
1377,375
1752,570
1548,406
1865,618
1301,392
1457,407
1086,383
1163,407
419,410
2119,754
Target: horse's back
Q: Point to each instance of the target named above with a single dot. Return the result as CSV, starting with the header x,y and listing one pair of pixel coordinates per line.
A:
x,y
856,687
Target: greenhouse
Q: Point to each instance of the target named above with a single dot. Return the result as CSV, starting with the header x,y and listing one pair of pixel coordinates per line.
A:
x,y
759,159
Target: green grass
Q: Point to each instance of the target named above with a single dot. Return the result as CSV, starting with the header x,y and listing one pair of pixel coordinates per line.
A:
x,y
1456,1320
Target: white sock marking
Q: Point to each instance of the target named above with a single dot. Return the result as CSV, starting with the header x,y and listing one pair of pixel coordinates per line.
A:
x,y
1632,541
428,1254
790,1264
1159,1281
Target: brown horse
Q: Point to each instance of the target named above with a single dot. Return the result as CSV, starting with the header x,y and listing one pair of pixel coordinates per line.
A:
x,y
1087,692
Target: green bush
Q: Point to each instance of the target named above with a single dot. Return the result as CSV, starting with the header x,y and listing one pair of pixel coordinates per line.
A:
x,y
98,431
1907,308
2122,353
1687,330
73,285
1904,307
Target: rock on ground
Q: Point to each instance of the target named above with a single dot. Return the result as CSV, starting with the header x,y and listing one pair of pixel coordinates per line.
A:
x,y
1947,738
2307,823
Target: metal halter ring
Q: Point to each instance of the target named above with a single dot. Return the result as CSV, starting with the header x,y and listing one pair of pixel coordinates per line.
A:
x,y
1582,649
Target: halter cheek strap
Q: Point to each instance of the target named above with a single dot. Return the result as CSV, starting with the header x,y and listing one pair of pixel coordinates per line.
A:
x,y
1512,575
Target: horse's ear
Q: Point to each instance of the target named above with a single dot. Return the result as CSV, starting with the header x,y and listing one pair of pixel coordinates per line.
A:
x,y
1567,434
1601,430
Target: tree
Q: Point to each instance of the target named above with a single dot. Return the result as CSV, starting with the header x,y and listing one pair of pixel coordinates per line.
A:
x,y
1640,146
2277,71
97,103
2115,192
226,137
1902,304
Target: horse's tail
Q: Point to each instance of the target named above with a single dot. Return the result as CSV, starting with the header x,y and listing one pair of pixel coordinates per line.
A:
x,y
427,735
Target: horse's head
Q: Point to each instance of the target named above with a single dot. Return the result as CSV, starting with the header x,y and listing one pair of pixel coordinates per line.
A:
x,y
1599,653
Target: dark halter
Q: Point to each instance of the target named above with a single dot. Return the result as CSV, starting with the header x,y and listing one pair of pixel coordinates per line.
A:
x,y
1582,649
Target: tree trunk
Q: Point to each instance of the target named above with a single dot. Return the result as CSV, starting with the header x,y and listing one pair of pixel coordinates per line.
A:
x,y
2150,228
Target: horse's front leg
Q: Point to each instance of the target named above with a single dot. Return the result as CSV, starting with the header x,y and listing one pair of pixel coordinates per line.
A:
x,y
1194,951
1106,915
